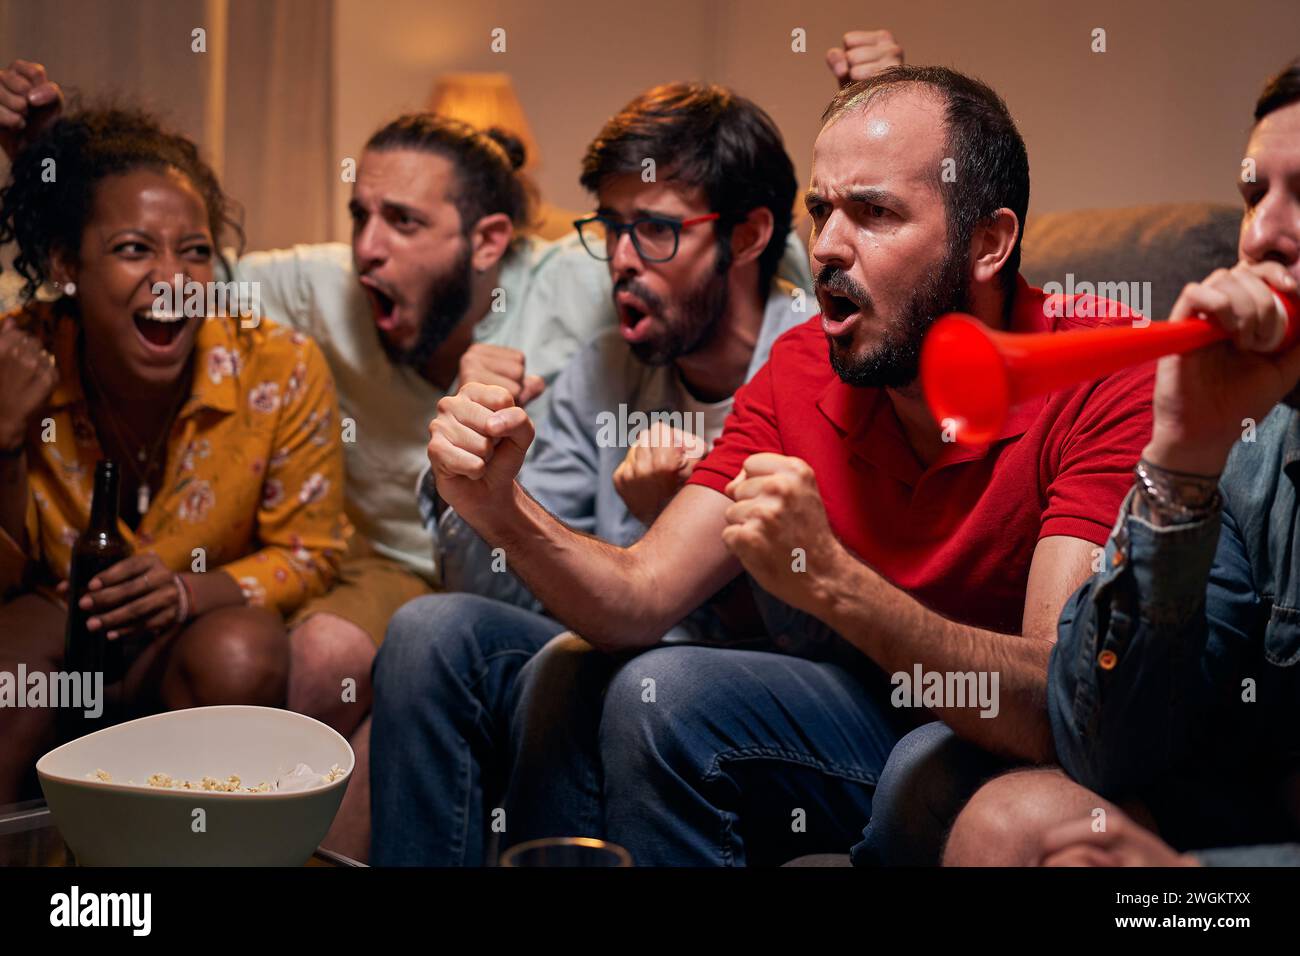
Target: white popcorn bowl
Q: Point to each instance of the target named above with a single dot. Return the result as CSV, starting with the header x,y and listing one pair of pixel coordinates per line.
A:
x,y
124,824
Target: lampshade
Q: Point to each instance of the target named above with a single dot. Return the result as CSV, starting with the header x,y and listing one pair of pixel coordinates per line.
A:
x,y
484,100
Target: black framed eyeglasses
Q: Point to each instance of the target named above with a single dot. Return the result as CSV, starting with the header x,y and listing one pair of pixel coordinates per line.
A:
x,y
654,237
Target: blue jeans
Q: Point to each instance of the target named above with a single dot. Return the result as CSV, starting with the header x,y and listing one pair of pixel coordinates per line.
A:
x,y
440,749
930,775
717,756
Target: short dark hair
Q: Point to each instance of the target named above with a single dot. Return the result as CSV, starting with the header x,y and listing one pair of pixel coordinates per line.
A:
x,y
706,136
44,216
487,163
991,164
1281,90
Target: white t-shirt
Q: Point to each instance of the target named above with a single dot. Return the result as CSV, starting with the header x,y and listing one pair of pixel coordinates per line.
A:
x,y
705,419
556,299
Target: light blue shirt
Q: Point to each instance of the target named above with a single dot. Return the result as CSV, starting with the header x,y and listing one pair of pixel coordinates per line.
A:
x,y
570,472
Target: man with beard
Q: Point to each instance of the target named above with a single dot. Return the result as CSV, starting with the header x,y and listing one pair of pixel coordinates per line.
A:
x,y
876,546
693,255
440,286
1175,687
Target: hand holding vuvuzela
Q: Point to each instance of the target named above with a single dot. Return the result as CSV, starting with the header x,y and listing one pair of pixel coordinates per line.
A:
x,y
1233,334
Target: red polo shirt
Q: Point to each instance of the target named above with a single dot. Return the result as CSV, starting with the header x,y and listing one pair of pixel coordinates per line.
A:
x,y
960,534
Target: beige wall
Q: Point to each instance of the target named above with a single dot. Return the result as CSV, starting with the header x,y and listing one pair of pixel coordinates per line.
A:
x,y
1162,115
573,64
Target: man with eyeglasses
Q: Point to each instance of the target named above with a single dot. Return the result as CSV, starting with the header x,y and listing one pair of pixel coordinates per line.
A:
x,y
878,547
693,255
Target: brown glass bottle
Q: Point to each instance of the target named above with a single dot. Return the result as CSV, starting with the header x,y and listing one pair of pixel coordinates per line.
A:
x,y
98,548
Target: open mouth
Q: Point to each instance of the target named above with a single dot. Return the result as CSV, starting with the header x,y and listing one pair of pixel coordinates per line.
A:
x,y
159,329
839,312
383,305
634,318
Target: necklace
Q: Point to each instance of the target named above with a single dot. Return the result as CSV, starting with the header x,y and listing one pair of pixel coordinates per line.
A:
x,y
144,455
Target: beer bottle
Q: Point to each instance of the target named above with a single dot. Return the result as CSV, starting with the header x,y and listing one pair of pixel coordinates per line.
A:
x,y
98,548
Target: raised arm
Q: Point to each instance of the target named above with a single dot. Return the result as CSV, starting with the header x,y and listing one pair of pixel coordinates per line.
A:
x,y
614,597
562,474
1130,680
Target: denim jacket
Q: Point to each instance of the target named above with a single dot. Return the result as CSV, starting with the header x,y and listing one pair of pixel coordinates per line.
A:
x,y
1184,651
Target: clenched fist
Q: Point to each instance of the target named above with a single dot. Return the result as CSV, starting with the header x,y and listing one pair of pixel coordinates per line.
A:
x,y
865,53
499,365
777,528
656,467
28,103
28,376
477,446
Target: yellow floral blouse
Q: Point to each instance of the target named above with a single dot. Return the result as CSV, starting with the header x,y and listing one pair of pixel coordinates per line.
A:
x,y
254,472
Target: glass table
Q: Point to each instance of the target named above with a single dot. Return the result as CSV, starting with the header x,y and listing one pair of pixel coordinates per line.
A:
x,y
29,837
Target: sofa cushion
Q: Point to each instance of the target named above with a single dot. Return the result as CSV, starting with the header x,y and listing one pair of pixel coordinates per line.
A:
x,y
1168,245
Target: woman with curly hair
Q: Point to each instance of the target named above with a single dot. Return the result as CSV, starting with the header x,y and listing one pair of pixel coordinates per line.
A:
x,y
225,431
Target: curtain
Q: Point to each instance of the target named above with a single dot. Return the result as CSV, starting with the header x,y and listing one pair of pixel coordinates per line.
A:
x,y
258,100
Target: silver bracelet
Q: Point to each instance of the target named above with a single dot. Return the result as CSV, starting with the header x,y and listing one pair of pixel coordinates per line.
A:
x,y
1175,497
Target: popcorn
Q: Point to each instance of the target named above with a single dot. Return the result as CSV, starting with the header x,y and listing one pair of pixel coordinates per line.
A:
x,y
301,777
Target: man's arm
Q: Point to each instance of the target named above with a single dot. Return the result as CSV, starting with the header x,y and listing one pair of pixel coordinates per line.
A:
x,y
778,510
562,474
289,282
898,632
1127,692
618,598
615,597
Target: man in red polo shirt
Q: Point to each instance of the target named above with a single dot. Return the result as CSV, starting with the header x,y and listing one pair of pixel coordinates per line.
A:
x,y
877,547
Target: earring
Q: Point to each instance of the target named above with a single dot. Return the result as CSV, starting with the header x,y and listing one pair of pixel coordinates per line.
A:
x,y
69,288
